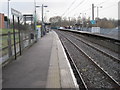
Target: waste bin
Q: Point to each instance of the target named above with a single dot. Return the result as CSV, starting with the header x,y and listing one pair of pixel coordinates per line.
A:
x,y
32,36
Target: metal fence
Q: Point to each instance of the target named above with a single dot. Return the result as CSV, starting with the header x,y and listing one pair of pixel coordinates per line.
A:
x,y
7,45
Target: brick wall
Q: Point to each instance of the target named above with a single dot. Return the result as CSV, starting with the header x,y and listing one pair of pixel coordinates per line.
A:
x,y
2,21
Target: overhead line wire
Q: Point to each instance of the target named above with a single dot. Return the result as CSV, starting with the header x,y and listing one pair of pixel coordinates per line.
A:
x,y
77,5
97,4
69,7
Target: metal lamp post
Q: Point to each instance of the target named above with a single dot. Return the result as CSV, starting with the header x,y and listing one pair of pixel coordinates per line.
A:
x,y
98,12
35,22
43,26
45,15
83,20
8,15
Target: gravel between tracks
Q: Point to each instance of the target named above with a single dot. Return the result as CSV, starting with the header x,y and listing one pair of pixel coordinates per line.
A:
x,y
92,76
96,45
109,65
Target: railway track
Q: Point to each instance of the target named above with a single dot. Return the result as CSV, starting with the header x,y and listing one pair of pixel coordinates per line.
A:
x,y
80,80
106,61
108,44
107,78
96,48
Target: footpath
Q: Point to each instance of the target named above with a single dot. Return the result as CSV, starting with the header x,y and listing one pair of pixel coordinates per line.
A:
x,y
44,65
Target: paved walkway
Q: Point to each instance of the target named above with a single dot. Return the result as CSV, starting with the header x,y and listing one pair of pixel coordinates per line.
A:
x,y
44,65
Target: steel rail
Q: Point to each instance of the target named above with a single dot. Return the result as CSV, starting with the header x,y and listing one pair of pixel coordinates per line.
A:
x,y
94,35
96,64
101,51
80,80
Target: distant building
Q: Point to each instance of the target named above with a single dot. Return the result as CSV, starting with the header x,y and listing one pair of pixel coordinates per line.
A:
x,y
2,25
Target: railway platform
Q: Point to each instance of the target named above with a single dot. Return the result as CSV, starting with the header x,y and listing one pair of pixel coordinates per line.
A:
x,y
44,65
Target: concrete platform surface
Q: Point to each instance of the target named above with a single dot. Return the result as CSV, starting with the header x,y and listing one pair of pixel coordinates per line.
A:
x,y
44,65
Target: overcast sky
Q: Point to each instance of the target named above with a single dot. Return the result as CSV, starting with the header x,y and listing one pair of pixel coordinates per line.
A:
x,y
65,8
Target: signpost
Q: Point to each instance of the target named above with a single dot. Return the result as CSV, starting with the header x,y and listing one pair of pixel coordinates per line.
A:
x,y
16,13
93,22
19,16
38,31
28,17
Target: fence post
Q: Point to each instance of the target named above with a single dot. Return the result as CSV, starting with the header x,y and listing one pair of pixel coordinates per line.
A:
x,y
22,42
14,38
9,44
29,38
19,35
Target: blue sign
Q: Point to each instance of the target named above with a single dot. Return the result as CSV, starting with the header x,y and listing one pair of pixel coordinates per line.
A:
x,y
93,22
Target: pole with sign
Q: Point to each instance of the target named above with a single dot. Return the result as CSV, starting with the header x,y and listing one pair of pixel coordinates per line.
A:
x,y
93,22
39,31
19,16
14,38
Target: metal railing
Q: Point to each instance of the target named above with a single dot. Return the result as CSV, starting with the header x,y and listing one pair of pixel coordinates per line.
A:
x,y
7,47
